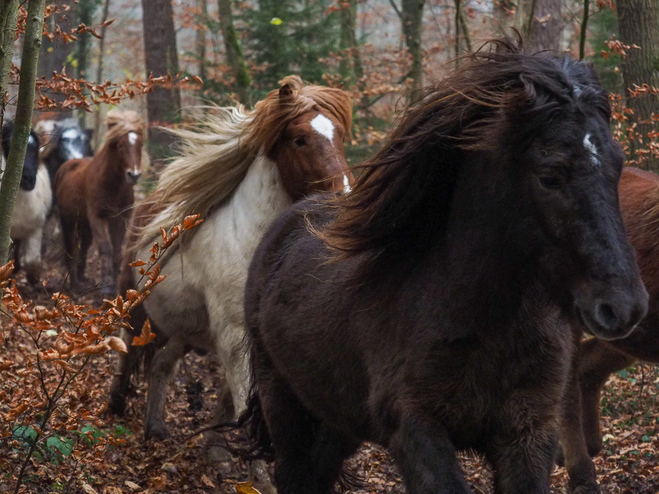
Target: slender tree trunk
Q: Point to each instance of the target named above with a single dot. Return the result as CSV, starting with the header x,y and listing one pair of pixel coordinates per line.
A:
x,y
584,29
56,55
545,25
11,179
163,104
461,30
234,52
412,15
8,15
202,6
99,72
85,10
638,21
351,68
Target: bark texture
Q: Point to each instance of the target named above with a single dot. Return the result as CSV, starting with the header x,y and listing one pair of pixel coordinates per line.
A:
x,y
99,72
161,58
351,68
234,53
544,24
200,41
11,178
411,17
638,21
8,15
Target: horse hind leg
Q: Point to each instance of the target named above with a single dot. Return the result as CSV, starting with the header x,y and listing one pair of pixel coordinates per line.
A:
x,y
81,261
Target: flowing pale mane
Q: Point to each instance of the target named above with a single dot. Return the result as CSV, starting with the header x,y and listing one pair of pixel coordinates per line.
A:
x,y
216,153
497,100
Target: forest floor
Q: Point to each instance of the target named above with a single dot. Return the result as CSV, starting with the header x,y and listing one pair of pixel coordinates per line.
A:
x,y
628,464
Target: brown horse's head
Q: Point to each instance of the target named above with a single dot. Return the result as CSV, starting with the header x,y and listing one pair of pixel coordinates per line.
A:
x,y
302,129
125,139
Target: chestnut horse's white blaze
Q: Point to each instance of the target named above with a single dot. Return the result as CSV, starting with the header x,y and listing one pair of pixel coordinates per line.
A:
x,y
323,126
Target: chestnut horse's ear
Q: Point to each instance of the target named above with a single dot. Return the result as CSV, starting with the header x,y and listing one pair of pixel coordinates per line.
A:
x,y
285,93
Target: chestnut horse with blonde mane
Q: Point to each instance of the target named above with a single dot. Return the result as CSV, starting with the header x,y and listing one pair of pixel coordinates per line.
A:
x,y
238,170
95,196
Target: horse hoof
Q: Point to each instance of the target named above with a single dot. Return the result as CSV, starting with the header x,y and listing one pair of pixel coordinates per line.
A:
x,y
589,488
158,432
32,279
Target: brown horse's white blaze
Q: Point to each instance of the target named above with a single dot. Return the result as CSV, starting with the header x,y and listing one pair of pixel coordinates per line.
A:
x,y
239,170
95,197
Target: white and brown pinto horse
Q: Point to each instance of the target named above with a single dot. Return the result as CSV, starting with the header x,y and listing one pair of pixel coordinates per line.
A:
x,y
33,203
239,170
95,197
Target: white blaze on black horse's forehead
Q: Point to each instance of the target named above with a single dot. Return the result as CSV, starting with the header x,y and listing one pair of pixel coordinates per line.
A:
x,y
31,140
132,138
591,149
323,126
70,134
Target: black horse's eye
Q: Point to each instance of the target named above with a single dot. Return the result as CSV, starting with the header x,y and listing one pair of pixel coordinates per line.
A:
x,y
300,141
554,182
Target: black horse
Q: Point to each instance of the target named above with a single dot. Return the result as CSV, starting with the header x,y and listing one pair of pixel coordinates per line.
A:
x,y
69,141
427,309
31,163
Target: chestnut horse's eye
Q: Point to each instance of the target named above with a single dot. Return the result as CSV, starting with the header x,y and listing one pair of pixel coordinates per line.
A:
x,y
300,141
552,182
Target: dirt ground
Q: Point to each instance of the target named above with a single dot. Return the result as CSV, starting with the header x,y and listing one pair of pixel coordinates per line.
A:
x,y
629,463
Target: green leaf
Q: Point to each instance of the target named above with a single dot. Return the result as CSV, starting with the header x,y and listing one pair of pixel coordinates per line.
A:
x,y
276,21
62,445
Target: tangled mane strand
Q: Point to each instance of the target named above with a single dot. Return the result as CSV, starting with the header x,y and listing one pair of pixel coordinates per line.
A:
x,y
216,152
401,201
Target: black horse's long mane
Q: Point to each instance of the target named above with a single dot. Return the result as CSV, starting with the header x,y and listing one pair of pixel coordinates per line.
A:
x,y
500,96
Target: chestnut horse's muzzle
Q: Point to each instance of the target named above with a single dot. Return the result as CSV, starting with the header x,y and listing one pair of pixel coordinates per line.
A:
x,y
132,177
611,312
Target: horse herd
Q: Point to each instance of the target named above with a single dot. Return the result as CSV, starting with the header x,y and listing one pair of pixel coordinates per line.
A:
x,y
437,303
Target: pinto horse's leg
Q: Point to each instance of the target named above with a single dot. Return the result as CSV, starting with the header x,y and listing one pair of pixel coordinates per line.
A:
x,y
426,458
598,362
163,368
577,461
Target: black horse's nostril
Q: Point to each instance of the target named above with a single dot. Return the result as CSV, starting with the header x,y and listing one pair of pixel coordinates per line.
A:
x,y
606,316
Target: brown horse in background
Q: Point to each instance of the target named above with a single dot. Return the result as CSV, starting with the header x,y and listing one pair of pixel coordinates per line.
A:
x,y
95,198
598,359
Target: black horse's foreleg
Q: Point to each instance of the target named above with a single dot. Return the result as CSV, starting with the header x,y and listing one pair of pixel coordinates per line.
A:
x,y
523,460
427,459
330,449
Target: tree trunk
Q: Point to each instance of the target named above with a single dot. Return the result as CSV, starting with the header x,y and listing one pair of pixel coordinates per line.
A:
x,y
85,11
8,16
163,104
461,30
99,73
11,179
411,16
56,55
545,25
202,18
351,68
638,21
234,52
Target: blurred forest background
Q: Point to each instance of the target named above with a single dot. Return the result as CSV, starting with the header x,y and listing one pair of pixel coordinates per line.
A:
x,y
382,51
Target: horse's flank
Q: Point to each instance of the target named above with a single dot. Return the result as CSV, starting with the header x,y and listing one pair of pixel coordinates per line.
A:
x,y
215,155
